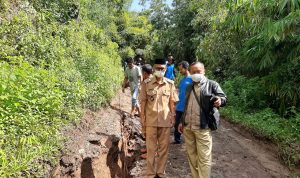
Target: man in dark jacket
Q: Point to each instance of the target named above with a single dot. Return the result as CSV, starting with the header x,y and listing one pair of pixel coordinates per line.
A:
x,y
194,122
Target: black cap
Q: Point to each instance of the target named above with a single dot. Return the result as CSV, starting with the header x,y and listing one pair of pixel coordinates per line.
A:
x,y
160,61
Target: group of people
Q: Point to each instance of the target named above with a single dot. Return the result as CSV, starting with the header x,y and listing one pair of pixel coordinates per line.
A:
x,y
155,100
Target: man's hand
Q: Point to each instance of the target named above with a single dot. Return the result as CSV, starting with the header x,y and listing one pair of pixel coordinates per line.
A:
x,y
180,128
218,102
143,121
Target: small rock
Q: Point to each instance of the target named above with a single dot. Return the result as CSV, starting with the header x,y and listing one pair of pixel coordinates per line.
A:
x,y
94,139
81,151
67,161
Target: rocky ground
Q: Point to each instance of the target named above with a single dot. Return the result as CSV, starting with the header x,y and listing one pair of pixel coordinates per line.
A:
x,y
235,155
105,144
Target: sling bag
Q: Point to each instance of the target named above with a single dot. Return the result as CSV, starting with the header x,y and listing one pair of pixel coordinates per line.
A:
x,y
211,120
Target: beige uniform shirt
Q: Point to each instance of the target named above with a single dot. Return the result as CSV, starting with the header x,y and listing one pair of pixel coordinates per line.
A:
x,y
157,97
192,118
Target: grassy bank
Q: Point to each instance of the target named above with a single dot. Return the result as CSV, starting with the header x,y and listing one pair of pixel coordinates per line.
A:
x,y
52,66
250,105
265,123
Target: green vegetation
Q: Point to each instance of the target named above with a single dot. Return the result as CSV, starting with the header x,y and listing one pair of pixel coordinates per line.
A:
x,y
265,123
251,48
56,58
247,107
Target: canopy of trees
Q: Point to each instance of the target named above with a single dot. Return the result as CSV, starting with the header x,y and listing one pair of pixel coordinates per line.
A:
x,y
251,47
254,39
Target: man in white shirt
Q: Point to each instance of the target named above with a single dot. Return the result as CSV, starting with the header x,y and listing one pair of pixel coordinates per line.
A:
x,y
133,75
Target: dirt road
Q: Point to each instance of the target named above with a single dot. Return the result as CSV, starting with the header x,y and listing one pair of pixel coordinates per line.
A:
x,y
236,154
95,149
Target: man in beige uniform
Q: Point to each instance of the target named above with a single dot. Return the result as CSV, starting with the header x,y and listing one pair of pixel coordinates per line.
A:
x,y
158,97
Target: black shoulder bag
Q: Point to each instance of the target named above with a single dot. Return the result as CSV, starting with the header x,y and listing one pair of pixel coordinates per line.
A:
x,y
211,120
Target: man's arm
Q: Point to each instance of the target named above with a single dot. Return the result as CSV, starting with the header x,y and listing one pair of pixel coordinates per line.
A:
x,y
143,101
186,99
172,102
140,79
222,99
140,75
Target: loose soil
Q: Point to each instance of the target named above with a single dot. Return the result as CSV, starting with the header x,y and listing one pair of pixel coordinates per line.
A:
x,y
106,144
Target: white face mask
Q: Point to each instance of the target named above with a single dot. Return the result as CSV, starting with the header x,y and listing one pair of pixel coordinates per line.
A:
x,y
159,73
198,77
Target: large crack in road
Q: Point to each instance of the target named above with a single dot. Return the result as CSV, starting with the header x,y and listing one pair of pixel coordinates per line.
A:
x,y
104,144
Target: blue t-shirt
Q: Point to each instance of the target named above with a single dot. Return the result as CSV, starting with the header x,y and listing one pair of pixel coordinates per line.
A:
x,y
170,72
182,89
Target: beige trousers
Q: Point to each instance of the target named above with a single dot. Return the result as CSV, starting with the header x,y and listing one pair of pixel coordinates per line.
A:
x,y
199,146
157,142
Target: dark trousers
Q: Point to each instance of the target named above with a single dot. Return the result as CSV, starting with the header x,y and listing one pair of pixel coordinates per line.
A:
x,y
177,135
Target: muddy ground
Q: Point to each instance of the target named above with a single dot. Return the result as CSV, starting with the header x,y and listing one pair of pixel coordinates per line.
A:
x,y
105,144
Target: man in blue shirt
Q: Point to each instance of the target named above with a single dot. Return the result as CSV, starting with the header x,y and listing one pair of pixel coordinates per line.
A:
x,y
170,72
186,80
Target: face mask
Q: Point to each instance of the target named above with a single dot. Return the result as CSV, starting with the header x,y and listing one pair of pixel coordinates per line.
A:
x,y
197,77
159,73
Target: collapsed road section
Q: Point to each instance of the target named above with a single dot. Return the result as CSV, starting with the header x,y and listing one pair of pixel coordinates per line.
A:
x,y
103,145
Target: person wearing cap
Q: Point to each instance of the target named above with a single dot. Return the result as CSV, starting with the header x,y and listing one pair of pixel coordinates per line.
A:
x,y
158,97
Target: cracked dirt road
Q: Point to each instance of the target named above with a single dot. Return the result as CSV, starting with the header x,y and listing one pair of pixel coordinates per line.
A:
x,y
236,154
95,150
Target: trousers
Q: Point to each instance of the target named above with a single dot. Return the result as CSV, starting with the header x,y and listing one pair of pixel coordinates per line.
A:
x,y
157,143
199,147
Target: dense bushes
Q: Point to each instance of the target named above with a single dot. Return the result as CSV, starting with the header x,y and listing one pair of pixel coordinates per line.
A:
x,y
56,58
256,39
29,97
247,94
248,105
52,65
97,60
267,124
31,107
